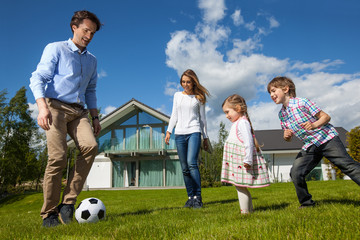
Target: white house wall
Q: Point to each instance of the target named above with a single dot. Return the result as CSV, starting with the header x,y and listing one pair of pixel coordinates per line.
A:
x,y
279,169
100,175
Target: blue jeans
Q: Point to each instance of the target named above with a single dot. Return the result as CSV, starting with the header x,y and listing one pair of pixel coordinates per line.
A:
x,y
188,147
307,160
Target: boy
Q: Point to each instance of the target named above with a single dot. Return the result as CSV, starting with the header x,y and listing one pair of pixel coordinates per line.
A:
x,y
305,120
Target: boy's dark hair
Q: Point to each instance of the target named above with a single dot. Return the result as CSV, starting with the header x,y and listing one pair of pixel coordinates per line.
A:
x,y
79,16
282,82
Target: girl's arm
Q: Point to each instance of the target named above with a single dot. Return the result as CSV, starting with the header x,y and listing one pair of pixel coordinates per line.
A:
x,y
244,133
323,118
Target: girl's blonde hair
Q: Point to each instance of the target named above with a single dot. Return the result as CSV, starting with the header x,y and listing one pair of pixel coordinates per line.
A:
x,y
236,100
199,90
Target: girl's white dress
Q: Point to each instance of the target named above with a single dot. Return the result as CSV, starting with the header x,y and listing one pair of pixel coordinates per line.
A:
x,y
233,170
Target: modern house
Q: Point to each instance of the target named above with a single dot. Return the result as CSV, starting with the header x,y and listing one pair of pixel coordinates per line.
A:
x,y
280,155
132,150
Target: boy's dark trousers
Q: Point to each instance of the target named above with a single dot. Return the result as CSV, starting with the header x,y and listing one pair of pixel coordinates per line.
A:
x,y
307,160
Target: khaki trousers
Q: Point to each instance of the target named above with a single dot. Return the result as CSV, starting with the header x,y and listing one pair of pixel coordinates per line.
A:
x,y
72,120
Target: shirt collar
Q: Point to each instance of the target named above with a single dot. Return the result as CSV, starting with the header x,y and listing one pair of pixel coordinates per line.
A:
x,y
290,103
74,48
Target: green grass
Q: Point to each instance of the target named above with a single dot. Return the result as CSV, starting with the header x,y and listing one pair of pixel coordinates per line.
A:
x,y
158,214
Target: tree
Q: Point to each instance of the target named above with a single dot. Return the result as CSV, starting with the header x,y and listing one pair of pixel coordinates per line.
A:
x,y
18,134
210,166
354,143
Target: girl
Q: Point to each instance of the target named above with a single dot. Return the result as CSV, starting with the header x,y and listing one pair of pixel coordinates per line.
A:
x,y
242,164
188,114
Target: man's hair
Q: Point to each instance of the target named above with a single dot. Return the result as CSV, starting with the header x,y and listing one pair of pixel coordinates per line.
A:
x,y
282,82
79,16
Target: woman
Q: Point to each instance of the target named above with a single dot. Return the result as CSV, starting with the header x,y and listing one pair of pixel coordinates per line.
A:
x,y
188,114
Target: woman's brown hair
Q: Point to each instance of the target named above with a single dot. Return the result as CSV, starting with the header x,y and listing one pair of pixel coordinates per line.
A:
x,y
199,90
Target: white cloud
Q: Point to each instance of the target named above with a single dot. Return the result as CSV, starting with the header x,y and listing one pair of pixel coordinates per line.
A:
x,y
35,111
273,22
102,74
214,10
225,69
109,109
237,18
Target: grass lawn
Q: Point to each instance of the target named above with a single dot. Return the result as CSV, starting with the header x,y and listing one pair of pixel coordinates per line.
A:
x,y
158,214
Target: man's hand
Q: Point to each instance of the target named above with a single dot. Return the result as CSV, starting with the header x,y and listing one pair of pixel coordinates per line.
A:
x,y
44,118
96,126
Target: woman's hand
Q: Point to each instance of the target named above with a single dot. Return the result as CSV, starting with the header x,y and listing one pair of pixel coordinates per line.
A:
x,y
167,137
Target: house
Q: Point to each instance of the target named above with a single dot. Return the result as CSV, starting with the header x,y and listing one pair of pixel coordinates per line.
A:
x,y
280,155
132,151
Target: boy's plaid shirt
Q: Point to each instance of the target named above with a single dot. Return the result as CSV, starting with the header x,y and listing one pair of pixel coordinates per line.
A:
x,y
301,110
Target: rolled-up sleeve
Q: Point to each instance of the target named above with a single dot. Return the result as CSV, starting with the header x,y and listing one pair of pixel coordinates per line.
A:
x,y
44,71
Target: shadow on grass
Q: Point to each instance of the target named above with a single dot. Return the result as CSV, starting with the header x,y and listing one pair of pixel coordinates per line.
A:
x,y
15,197
279,206
338,201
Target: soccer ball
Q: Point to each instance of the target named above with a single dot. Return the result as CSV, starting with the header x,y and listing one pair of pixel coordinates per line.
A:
x,y
90,210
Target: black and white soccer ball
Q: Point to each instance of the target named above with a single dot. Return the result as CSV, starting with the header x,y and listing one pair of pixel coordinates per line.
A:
x,y
90,210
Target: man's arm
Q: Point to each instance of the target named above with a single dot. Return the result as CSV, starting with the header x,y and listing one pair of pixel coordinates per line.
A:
x,y
95,121
44,118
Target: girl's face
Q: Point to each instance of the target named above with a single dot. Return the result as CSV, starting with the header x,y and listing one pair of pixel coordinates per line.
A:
x,y
233,113
187,84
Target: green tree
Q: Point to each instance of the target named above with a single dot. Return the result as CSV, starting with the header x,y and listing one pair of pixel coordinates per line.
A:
x,y
210,166
19,134
354,143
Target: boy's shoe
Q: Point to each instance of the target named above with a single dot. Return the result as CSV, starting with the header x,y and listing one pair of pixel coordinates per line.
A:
x,y
197,202
66,213
189,203
51,221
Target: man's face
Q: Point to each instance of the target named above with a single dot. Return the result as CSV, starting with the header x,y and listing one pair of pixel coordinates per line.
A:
x,y
84,33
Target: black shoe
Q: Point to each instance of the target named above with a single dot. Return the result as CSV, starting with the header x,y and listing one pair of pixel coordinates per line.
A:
x,y
189,203
197,202
66,213
51,221
306,206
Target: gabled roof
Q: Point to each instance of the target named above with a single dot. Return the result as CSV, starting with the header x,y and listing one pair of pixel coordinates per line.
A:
x,y
129,107
126,109
272,140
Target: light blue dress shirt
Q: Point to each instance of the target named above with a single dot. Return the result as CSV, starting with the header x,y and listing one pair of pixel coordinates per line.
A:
x,y
66,75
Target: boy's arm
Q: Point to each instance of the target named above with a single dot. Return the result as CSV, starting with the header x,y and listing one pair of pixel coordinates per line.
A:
x,y
288,133
323,118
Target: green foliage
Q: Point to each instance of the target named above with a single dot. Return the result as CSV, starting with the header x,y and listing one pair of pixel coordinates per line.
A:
x,y
158,214
18,134
354,143
210,165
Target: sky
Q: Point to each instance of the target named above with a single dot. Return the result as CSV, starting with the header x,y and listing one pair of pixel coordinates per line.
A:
x,y
234,46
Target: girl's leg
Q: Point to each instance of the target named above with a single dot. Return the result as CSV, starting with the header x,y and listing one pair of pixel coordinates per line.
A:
x,y
245,200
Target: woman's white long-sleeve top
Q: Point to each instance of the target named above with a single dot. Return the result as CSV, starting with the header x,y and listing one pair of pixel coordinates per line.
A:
x,y
188,115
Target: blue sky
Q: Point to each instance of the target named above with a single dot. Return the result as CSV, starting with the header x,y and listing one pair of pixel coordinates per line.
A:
x,y
235,46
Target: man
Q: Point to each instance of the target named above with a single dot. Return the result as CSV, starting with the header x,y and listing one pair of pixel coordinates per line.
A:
x,y
64,81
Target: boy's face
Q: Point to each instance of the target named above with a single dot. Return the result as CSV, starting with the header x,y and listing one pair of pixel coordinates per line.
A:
x,y
279,95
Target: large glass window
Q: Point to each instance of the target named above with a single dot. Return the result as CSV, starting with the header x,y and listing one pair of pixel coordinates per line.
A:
x,y
174,175
151,173
118,174
130,138
118,140
157,139
145,138
145,118
104,142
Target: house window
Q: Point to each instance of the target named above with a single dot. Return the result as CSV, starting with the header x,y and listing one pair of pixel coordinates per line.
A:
x,y
151,173
174,175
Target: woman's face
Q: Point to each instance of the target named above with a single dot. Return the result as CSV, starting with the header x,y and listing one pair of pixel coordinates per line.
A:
x,y
187,84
